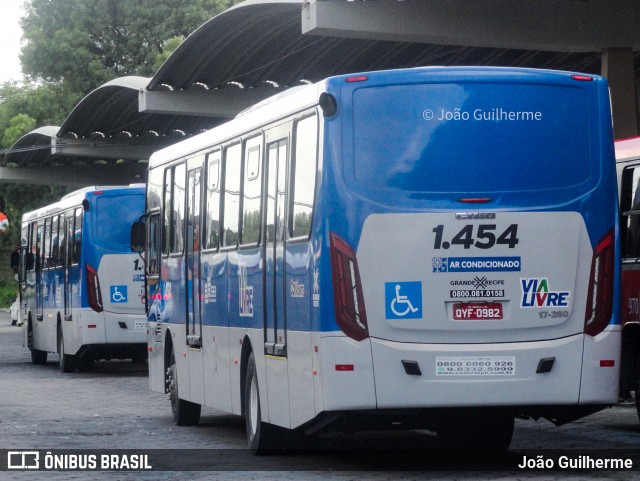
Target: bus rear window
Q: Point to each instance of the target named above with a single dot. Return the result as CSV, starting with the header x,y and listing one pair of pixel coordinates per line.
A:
x,y
474,137
113,218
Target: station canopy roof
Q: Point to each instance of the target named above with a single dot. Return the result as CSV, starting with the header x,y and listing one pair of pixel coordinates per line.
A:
x,y
238,58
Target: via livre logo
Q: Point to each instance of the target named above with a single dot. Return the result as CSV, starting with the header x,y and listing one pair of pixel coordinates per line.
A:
x,y
536,293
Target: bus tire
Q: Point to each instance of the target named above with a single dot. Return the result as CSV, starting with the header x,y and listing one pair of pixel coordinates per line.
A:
x,y
185,413
66,361
262,438
37,356
476,430
85,364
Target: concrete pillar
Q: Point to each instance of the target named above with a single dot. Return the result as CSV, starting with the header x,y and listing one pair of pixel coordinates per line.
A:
x,y
617,67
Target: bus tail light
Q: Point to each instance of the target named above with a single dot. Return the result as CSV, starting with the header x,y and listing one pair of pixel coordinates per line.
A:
x,y
93,289
600,293
347,290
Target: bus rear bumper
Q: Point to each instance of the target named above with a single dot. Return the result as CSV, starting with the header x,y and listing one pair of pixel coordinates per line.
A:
x,y
411,375
110,328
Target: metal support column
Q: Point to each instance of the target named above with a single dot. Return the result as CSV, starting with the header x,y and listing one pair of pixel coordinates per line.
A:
x,y
617,67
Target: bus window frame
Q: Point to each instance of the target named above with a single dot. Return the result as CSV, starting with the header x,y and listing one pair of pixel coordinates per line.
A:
x,y
223,190
246,150
209,158
292,171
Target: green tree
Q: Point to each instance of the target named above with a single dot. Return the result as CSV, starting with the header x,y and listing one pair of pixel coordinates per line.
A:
x,y
169,47
23,107
85,43
18,125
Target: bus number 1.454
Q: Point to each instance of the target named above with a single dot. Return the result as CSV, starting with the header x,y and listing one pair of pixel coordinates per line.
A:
x,y
485,237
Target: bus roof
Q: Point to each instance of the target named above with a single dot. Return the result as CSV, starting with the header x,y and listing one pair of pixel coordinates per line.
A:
x,y
269,110
75,198
627,149
301,97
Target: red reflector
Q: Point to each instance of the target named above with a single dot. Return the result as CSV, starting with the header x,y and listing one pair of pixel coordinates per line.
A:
x,y
98,192
360,78
584,78
607,363
345,367
92,326
475,200
150,348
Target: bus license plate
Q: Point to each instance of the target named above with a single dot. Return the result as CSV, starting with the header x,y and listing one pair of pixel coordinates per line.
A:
x,y
477,311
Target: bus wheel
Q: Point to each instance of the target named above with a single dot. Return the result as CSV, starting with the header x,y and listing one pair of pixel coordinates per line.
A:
x,y
85,364
37,356
262,438
66,361
185,413
477,430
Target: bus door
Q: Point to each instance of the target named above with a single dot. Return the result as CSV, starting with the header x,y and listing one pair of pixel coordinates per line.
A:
x,y
65,254
192,264
630,229
39,266
275,323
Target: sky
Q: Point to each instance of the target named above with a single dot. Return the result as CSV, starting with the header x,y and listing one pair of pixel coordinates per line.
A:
x,y
10,33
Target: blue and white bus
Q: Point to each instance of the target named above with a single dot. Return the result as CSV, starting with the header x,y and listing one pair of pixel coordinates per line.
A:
x,y
427,248
81,287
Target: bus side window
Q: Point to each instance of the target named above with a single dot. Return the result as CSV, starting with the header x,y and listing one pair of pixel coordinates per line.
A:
x,y
62,245
303,176
46,251
168,210
39,247
252,192
178,216
53,256
231,219
77,237
153,239
630,207
212,202
32,250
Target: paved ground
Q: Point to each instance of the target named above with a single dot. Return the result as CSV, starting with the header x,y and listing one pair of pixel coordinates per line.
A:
x,y
112,408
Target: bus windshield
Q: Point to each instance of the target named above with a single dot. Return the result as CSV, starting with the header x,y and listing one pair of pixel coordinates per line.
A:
x,y
414,137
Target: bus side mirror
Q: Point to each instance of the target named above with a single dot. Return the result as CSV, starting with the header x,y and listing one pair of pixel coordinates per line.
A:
x,y
15,261
138,236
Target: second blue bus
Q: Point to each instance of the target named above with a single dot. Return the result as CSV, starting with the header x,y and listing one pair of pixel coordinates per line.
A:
x,y
81,287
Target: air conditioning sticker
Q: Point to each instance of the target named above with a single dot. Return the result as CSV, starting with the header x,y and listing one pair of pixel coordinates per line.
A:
x,y
476,264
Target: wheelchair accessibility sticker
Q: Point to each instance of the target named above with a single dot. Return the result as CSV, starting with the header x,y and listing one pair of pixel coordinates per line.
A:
x,y
403,300
118,294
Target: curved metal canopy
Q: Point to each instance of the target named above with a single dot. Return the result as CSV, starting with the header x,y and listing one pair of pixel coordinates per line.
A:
x,y
247,53
257,48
